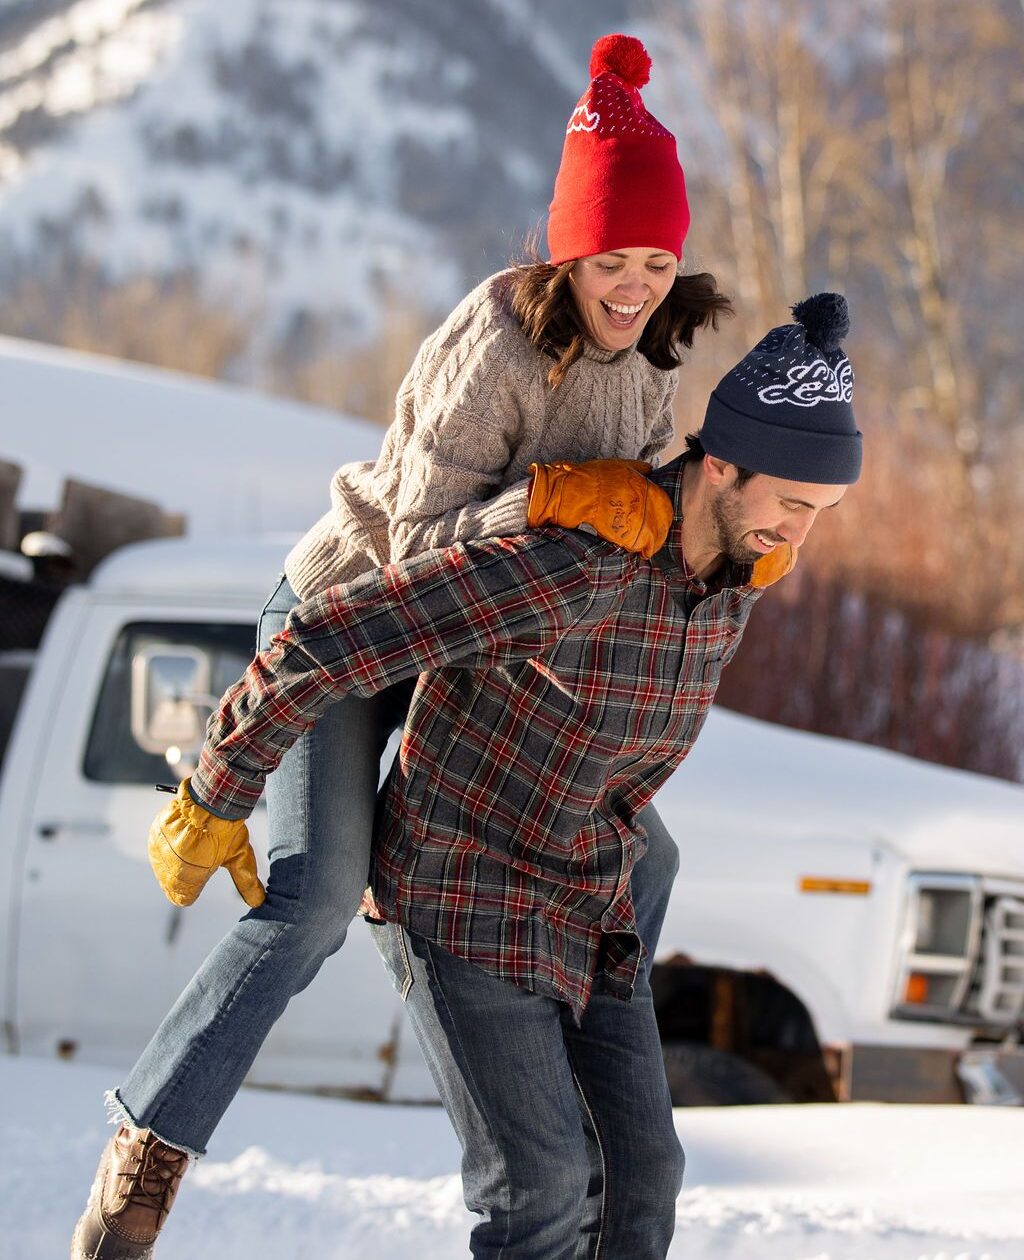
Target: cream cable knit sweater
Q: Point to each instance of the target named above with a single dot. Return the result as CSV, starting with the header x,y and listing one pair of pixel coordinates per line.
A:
x,y
474,411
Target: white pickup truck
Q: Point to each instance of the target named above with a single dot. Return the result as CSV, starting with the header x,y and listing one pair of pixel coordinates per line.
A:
x,y
847,924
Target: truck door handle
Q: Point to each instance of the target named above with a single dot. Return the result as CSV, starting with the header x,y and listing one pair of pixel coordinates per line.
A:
x,y
73,826
173,926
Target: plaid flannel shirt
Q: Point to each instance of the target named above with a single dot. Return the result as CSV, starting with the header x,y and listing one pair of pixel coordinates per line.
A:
x,y
560,682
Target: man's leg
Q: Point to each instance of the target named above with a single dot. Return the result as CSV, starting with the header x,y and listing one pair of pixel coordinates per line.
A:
x,y
497,1055
616,1058
651,886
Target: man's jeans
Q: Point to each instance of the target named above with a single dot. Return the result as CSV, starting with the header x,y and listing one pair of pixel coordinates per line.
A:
x,y
569,1150
320,805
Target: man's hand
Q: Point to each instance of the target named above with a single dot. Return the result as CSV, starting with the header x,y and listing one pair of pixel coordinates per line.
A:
x,y
610,495
186,845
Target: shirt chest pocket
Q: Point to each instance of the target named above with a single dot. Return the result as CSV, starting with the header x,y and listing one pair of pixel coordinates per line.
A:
x,y
713,634
727,640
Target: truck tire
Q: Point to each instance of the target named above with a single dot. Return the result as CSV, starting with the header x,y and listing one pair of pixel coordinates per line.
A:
x,y
701,1076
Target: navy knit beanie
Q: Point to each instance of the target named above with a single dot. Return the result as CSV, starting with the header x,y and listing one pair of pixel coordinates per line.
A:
x,y
785,409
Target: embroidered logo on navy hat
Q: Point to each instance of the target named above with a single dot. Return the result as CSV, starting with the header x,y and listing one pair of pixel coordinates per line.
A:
x,y
808,384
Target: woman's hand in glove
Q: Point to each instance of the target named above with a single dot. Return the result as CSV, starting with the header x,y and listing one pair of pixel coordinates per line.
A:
x,y
775,565
186,845
611,495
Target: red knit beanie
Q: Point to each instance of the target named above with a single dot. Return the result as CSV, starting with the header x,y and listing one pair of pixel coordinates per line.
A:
x,y
620,183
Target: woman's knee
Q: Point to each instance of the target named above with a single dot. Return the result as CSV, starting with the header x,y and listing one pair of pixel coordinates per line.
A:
x,y
674,1166
316,911
662,855
275,612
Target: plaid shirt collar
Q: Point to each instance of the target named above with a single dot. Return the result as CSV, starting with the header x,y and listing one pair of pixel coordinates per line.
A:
x,y
671,559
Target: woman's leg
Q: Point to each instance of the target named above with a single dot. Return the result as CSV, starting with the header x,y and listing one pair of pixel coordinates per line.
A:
x,y
320,805
652,880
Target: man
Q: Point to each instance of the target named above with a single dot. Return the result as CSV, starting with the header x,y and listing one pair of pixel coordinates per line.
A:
x,y
560,682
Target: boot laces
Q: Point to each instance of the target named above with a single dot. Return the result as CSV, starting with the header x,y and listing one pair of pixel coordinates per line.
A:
x,y
152,1175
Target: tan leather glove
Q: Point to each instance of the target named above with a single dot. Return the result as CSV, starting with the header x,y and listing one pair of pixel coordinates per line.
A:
x,y
186,845
611,495
776,564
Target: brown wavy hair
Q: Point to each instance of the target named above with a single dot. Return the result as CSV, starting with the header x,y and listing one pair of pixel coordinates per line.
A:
x,y
544,306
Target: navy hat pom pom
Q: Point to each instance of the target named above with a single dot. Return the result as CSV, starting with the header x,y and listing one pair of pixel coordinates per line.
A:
x,y
826,319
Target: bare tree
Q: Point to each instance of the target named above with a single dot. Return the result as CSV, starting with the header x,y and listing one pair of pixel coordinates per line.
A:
x,y
878,150
945,84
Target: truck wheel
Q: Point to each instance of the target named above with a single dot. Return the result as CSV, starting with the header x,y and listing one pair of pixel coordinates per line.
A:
x,y
701,1076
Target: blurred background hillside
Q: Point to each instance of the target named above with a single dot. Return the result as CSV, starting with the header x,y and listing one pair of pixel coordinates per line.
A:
x,y
291,193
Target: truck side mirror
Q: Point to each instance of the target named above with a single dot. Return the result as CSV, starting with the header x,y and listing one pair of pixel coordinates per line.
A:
x,y
170,688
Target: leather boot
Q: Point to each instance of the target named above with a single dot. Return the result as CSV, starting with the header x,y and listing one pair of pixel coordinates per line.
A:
x,y
135,1186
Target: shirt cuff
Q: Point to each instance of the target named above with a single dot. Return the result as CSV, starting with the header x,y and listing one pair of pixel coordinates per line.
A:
x,y
214,786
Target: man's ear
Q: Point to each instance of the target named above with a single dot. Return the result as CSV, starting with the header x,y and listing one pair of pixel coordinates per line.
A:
x,y
717,470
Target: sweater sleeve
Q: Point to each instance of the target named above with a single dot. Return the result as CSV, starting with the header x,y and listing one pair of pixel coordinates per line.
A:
x,y
465,432
663,429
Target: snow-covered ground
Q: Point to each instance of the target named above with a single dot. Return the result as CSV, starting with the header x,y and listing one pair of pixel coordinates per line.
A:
x,y
292,1177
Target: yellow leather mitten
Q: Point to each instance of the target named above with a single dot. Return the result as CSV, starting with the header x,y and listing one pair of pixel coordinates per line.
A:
x,y
611,495
186,845
776,564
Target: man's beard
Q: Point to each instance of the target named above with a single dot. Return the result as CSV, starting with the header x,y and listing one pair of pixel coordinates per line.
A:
x,y
727,514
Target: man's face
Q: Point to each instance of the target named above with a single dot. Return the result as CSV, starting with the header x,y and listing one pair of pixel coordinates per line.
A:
x,y
754,519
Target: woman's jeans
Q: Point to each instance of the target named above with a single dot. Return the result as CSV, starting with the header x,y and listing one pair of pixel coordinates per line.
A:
x,y
320,805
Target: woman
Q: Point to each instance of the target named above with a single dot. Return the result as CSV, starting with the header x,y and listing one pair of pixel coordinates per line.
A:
x,y
573,359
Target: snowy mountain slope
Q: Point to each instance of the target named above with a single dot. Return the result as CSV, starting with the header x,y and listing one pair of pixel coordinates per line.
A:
x,y
303,156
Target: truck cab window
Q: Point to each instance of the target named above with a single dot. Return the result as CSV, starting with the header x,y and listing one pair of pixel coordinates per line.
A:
x,y
113,754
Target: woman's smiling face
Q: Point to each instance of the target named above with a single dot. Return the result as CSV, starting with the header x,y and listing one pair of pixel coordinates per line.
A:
x,y
616,293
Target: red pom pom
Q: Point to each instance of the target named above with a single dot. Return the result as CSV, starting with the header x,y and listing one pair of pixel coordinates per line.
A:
x,y
623,55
